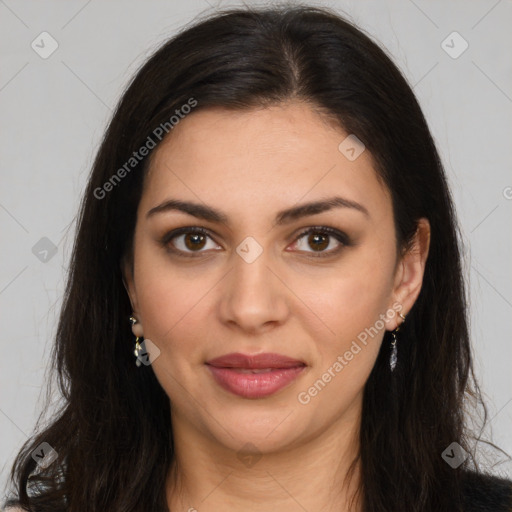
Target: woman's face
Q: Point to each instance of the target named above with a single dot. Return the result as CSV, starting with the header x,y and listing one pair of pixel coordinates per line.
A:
x,y
260,281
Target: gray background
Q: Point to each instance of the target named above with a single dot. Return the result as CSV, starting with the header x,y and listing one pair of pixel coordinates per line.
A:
x,y
54,111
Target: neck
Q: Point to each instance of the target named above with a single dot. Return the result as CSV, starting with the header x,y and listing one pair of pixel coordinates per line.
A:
x,y
206,476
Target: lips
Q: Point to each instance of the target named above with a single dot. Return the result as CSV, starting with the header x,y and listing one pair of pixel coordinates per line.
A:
x,y
256,376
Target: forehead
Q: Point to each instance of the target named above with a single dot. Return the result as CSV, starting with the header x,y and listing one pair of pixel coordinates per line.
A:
x,y
260,159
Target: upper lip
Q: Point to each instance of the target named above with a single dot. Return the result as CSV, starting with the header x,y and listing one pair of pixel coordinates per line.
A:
x,y
258,361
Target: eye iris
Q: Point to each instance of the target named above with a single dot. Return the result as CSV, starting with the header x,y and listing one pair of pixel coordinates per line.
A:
x,y
191,241
315,238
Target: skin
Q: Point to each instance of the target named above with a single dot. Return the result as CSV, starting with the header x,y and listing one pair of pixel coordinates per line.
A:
x,y
251,165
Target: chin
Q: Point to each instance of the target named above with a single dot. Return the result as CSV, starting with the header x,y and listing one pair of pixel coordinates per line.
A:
x,y
267,431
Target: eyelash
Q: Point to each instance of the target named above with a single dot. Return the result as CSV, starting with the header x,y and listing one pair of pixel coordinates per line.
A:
x,y
341,237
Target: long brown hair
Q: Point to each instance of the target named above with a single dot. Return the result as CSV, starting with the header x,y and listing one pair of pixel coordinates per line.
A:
x,y
112,434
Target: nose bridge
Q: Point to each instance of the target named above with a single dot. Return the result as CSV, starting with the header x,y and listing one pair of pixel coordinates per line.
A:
x,y
254,295
251,266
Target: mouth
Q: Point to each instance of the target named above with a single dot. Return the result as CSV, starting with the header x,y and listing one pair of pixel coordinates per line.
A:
x,y
256,376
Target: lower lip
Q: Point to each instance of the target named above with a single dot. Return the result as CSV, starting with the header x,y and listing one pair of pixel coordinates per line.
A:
x,y
254,385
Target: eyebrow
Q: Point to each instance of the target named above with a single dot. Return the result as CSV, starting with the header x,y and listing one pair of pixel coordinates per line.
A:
x,y
288,215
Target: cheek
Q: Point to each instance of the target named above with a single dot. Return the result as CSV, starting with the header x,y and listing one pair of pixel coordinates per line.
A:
x,y
353,296
352,309
166,292
176,321
177,312
351,305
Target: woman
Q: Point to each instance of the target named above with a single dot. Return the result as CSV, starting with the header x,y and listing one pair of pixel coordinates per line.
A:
x,y
265,307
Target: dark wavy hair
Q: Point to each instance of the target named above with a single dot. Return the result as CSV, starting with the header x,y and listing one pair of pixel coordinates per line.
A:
x,y
112,431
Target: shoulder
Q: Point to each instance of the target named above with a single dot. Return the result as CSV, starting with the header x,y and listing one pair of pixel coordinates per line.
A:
x,y
486,493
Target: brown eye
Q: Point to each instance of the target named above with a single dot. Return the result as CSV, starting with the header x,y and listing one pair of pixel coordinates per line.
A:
x,y
319,239
194,241
188,240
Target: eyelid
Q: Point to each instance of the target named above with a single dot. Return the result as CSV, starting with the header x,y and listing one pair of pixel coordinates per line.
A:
x,y
342,238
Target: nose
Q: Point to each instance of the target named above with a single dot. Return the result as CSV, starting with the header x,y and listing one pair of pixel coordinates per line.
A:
x,y
254,297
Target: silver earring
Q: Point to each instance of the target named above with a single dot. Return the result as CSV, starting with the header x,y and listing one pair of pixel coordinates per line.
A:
x,y
394,352
138,348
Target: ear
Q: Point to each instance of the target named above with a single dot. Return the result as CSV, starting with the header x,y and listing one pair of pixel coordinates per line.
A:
x,y
410,271
129,284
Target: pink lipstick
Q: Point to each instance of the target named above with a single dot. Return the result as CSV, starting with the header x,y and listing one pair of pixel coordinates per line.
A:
x,y
256,376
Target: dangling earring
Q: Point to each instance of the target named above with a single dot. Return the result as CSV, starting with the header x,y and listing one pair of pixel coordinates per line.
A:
x,y
394,352
138,348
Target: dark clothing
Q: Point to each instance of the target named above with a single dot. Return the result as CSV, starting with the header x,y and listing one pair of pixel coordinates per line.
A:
x,y
484,493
